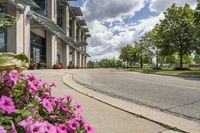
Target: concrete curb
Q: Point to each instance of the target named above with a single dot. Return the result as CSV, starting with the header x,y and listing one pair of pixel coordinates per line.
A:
x,y
170,121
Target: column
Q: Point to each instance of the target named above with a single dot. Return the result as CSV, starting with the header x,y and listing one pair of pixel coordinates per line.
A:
x,y
66,56
51,50
85,62
74,58
74,26
80,60
52,10
66,20
26,29
15,34
79,35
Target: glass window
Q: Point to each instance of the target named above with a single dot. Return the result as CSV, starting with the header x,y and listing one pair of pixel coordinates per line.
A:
x,y
43,4
3,31
38,48
60,14
70,28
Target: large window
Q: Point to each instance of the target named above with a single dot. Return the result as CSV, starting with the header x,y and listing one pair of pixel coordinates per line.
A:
x,y
43,4
38,48
3,31
60,14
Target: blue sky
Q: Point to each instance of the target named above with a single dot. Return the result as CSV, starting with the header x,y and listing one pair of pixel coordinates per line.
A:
x,y
115,23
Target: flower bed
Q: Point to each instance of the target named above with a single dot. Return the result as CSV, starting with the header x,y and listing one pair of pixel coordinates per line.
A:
x,y
27,106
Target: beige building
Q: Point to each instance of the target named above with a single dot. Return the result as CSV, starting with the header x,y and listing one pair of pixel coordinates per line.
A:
x,y
47,31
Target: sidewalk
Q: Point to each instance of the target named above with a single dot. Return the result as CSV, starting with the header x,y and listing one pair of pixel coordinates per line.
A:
x,y
104,118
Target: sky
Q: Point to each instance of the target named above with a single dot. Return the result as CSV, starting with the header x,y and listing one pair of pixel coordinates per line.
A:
x,y
115,23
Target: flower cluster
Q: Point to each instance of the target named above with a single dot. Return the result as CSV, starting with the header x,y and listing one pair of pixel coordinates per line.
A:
x,y
27,106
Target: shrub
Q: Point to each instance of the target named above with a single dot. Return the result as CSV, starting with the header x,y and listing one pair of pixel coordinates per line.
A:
x,y
27,106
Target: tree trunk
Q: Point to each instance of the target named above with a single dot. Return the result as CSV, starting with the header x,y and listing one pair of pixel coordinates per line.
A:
x,y
141,61
181,60
157,58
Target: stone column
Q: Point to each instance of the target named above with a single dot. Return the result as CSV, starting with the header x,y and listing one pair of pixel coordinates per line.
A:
x,y
74,58
85,62
80,60
66,20
52,10
66,56
51,50
74,26
15,35
27,32
79,35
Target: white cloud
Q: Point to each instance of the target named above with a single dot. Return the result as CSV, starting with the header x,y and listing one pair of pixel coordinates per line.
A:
x,y
105,43
162,5
110,32
106,9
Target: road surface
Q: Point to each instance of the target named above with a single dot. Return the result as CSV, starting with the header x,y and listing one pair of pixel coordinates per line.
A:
x,y
176,95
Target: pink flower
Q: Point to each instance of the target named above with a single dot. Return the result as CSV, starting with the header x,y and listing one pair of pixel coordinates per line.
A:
x,y
26,122
47,105
78,107
73,125
10,78
49,128
37,127
6,104
61,128
2,129
88,128
80,119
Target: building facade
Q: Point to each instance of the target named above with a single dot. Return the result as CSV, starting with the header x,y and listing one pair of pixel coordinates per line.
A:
x,y
47,31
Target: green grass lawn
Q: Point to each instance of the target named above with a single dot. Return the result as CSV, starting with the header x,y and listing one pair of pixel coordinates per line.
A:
x,y
167,71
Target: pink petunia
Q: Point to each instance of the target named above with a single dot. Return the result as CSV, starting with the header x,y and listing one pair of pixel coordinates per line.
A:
x,y
6,104
37,127
26,122
61,128
10,78
73,125
49,128
2,129
47,105
78,107
88,128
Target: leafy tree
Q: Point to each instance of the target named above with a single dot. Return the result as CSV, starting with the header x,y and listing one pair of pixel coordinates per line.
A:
x,y
91,64
143,48
126,54
197,58
176,31
197,24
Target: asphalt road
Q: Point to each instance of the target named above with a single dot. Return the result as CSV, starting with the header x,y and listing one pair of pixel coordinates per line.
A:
x,y
177,95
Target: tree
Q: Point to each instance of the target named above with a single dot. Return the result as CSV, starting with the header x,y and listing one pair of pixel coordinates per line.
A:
x,y
176,31
91,64
197,58
143,48
126,54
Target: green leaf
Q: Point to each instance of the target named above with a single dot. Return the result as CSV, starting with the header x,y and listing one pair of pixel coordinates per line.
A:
x,y
10,61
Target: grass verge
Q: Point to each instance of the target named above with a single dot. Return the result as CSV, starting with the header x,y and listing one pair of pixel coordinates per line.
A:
x,y
168,71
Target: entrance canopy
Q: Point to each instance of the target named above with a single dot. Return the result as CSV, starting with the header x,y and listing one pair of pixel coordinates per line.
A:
x,y
55,29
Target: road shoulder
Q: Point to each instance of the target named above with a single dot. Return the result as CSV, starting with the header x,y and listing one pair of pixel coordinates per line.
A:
x,y
167,120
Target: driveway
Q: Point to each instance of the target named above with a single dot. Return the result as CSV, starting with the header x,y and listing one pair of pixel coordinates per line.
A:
x,y
104,118
176,95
